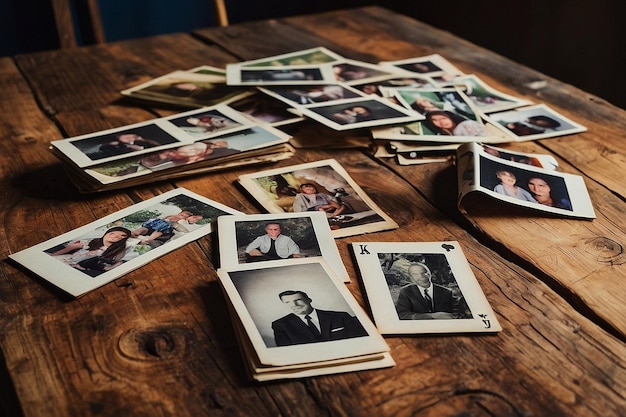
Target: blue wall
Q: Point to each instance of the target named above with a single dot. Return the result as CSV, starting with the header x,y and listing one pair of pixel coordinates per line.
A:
x,y
28,25
576,41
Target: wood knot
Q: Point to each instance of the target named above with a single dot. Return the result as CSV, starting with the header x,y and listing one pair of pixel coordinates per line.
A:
x,y
606,250
159,342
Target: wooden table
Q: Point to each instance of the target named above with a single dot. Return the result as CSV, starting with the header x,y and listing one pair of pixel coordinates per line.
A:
x,y
159,341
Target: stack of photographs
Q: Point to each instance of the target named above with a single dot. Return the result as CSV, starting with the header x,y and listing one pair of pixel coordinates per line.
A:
x,y
93,255
524,180
196,141
198,87
297,319
422,288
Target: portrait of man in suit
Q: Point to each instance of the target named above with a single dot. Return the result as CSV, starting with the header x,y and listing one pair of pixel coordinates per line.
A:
x,y
422,299
307,324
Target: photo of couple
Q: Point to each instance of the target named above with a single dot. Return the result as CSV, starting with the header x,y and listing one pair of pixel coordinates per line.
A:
x,y
109,246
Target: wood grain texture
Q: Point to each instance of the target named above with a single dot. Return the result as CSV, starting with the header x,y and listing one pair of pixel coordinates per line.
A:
x,y
159,341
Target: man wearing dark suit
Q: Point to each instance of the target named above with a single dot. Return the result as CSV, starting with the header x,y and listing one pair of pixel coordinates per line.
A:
x,y
422,299
309,325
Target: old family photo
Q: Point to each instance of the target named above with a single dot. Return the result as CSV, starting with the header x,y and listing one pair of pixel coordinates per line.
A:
x,y
97,253
322,186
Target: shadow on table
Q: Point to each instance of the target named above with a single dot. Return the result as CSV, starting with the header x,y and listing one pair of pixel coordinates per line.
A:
x,y
48,183
223,333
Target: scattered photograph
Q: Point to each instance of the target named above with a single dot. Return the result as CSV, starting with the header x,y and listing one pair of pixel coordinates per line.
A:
x,y
100,252
119,143
299,313
264,109
210,122
300,75
537,160
202,86
256,137
311,94
313,56
422,287
520,184
536,122
260,238
359,113
485,98
393,81
434,66
350,71
322,186
447,111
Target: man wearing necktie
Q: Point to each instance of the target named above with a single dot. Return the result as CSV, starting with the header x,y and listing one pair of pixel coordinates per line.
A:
x,y
421,299
307,324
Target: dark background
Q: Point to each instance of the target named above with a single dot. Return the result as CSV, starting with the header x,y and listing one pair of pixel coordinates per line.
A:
x,y
575,41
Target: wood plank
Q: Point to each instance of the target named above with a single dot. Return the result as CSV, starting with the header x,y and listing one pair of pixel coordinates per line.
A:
x,y
159,340
105,70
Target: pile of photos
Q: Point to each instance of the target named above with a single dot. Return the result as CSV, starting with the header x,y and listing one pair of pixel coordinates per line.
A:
x,y
196,141
419,110
281,271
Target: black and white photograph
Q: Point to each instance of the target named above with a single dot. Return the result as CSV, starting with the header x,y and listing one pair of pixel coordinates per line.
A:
x,y
272,303
261,238
322,186
90,256
422,287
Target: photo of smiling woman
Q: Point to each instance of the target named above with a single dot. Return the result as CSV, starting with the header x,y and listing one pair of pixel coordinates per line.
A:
x,y
95,256
443,122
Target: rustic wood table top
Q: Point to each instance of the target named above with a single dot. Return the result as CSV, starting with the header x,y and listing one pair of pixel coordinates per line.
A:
x,y
159,341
